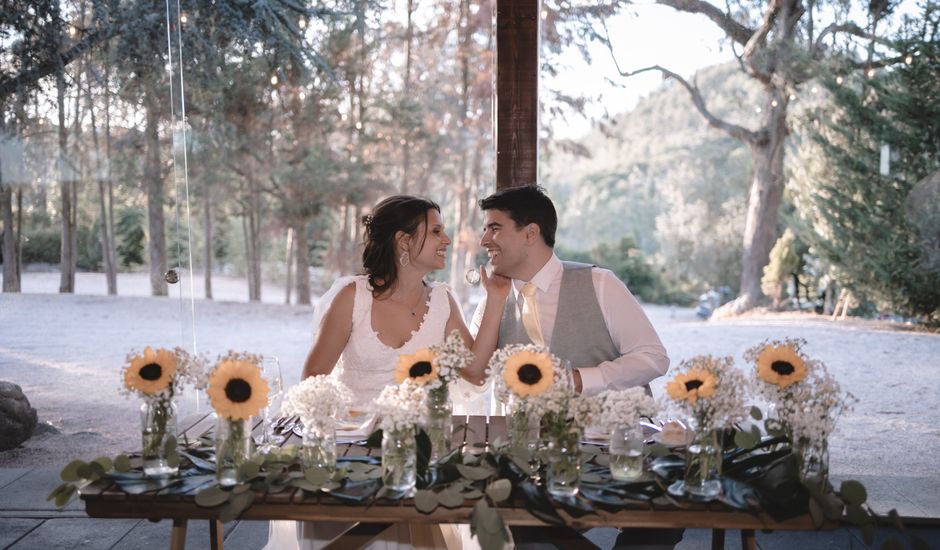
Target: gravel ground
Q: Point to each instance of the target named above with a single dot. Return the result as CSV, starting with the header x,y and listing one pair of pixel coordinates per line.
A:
x,y
66,351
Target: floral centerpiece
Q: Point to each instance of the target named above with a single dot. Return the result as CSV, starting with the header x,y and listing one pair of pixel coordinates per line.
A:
x,y
709,391
318,401
401,408
436,368
806,401
619,413
237,392
543,406
158,377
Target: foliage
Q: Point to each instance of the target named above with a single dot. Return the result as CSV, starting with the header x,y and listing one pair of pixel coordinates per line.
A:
x,y
130,237
856,218
786,262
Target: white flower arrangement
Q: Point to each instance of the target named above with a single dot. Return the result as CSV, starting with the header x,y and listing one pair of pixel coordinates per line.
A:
x,y
806,399
622,408
708,389
452,356
317,398
402,406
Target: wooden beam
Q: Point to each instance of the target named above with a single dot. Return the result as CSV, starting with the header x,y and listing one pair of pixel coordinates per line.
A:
x,y
517,92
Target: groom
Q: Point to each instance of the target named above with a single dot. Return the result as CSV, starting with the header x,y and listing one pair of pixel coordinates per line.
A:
x,y
582,313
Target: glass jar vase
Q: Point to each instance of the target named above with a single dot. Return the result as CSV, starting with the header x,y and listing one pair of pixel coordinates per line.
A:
x,y
158,434
626,453
232,449
318,449
563,471
399,459
440,421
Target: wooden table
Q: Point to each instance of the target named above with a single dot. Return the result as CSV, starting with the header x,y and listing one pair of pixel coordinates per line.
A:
x,y
107,500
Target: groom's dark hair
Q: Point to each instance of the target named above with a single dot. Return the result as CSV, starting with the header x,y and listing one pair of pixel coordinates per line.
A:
x,y
526,204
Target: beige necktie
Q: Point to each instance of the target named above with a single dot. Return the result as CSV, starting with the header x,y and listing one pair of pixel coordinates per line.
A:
x,y
530,314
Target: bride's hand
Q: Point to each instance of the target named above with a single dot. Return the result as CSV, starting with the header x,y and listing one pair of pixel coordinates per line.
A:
x,y
496,286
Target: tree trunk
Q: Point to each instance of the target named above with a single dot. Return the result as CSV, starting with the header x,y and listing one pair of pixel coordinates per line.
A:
x,y
11,282
153,181
106,238
112,250
207,258
289,283
406,88
760,227
67,259
303,263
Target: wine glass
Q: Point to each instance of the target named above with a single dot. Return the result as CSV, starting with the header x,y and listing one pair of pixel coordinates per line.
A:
x,y
271,372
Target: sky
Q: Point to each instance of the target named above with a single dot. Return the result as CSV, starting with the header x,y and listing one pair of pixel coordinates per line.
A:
x,y
648,35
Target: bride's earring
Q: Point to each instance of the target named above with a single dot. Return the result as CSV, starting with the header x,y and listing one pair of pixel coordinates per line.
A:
x,y
404,259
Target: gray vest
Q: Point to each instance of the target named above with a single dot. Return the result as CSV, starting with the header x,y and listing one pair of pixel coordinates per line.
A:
x,y
580,335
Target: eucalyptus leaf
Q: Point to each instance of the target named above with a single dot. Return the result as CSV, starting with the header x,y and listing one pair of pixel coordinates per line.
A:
x,y
70,472
248,470
745,440
591,478
228,513
240,488
425,501
602,460
212,496
64,496
658,450
104,462
476,473
317,476
756,413
486,517
857,515
868,534
242,501
499,490
450,497
122,463
853,492
173,460
472,494
816,512
170,446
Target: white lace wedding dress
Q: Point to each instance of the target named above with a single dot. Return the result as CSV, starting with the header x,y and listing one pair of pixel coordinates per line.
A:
x,y
367,365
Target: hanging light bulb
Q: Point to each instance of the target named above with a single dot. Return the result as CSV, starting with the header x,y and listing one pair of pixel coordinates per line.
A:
x,y
870,73
184,18
792,97
302,96
773,103
757,109
544,14
302,23
72,31
274,80
909,59
839,80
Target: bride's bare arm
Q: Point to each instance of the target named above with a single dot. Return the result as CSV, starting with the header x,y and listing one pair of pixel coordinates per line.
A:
x,y
497,289
333,334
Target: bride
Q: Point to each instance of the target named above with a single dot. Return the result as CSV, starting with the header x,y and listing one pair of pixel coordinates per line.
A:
x,y
366,321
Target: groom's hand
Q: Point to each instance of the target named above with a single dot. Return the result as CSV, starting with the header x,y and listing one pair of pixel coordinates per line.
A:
x,y
496,286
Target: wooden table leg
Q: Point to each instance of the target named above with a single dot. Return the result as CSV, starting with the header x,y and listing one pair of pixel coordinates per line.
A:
x,y
178,535
718,539
748,540
215,534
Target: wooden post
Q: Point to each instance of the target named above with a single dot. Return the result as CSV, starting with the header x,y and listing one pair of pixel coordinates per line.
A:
x,y
178,535
216,534
718,539
517,94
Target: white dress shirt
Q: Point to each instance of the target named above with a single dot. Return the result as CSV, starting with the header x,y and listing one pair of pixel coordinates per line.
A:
x,y
643,357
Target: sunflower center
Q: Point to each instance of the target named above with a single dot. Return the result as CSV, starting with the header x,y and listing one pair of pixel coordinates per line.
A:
x,y
237,390
151,371
421,368
530,374
693,385
782,367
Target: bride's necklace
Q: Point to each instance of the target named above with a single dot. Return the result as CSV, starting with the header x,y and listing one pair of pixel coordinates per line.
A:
x,y
413,309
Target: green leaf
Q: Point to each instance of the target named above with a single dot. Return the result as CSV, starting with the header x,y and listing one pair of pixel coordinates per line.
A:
x,y
602,460
476,473
375,440
816,512
70,472
170,446
745,440
499,490
211,497
486,516
317,476
241,502
868,533
472,494
173,460
55,492
488,527
857,515
658,450
425,501
450,497
853,492
591,478
248,471
64,496
756,413
241,488
105,463
122,463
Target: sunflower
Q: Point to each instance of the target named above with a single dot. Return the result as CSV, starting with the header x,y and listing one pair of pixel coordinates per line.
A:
x,y
780,365
528,373
421,367
151,372
237,390
691,385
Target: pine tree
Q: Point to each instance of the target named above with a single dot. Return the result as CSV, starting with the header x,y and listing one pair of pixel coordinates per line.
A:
x,y
857,217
